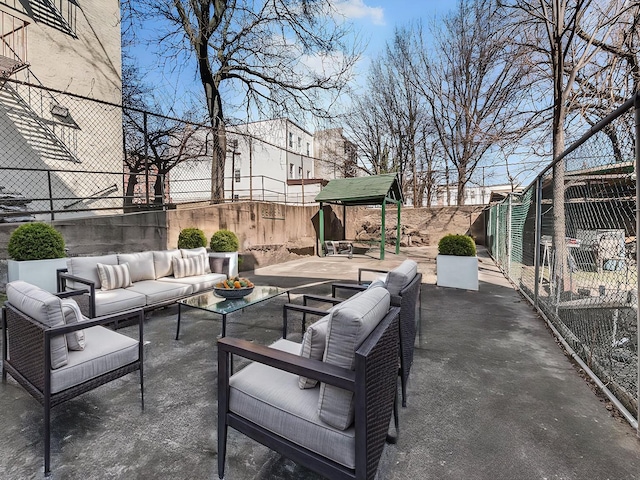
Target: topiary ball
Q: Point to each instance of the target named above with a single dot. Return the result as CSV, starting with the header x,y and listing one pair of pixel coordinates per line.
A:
x,y
224,241
35,241
192,238
458,245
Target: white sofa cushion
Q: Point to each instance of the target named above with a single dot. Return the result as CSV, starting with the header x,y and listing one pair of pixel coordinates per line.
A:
x,y
72,314
118,300
43,307
106,350
351,323
87,268
313,344
401,276
140,265
271,398
159,292
188,267
198,282
162,262
200,251
114,276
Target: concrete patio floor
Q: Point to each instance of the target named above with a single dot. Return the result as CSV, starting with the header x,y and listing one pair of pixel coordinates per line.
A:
x,y
491,396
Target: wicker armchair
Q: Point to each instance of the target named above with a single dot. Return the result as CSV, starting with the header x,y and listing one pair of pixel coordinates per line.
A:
x,y
264,401
35,331
404,284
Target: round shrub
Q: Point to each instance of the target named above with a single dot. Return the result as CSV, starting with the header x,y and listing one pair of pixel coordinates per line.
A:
x,y
192,238
224,241
459,245
35,241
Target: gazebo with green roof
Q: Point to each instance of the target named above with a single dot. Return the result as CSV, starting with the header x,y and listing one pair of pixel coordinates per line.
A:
x,y
361,191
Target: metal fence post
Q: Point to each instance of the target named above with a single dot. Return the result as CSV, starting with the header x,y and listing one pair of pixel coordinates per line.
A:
x,y
636,105
50,194
537,240
509,245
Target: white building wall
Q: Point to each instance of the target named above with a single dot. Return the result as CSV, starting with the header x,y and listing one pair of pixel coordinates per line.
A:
x,y
86,61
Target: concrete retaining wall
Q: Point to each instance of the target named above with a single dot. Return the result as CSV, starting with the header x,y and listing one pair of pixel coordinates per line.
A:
x,y
268,233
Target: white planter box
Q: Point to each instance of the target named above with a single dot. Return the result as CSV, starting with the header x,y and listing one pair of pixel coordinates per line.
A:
x,y
41,273
232,258
457,272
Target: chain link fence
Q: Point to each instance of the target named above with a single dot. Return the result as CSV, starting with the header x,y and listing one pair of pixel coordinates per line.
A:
x,y
65,155
569,243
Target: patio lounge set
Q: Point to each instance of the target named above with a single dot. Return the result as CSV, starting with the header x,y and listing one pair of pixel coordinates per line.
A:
x,y
326,403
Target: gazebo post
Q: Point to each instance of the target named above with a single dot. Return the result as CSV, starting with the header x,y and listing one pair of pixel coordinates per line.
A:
x,y
382,229
321,230
398,233
344,221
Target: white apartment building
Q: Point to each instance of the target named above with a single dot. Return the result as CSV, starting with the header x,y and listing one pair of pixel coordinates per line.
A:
x,y
270,160
73,47
447,195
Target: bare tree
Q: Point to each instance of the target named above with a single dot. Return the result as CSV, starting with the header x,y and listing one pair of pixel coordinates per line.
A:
x,y
152,142
276,55
563,37
472,77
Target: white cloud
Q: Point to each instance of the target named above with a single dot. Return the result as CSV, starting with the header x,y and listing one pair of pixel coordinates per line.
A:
x,y
358,9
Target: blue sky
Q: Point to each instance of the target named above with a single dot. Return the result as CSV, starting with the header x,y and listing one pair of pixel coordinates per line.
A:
x,y
374,19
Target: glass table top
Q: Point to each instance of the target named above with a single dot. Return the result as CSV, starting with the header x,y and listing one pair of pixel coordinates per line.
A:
x,y
213,303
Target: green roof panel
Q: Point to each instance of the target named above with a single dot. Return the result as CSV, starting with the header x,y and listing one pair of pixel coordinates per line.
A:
x,y
370,190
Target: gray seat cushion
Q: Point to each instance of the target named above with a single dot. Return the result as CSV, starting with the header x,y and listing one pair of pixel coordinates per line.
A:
x,y
198,282
43,307
118,300
350,324
271,398
399,277
105,351
87,268
159,292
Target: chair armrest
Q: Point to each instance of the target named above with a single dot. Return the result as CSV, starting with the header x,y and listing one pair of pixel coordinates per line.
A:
x,y
62,285
373,270
102,320
299,308
321,298
346,286
289,362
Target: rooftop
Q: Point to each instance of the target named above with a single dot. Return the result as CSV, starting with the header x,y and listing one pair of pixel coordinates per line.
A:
x,y
491,395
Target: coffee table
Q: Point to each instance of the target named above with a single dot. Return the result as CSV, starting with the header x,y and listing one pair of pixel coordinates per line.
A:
x,y
211,302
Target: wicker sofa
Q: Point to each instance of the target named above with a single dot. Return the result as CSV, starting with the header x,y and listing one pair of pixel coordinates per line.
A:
x,y
156,279
325,403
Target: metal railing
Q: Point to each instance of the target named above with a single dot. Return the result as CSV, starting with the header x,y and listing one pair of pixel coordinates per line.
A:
x,y
583,279
66,155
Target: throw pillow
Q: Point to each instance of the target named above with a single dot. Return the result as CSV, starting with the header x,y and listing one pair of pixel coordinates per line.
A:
x,y
114,276
313,344
188,267
72,314
192,252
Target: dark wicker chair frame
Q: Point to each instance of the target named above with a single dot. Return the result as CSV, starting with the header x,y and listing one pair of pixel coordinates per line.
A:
x,y
374,382
26,356
409,300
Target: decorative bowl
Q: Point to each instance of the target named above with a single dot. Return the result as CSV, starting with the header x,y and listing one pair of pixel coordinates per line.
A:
x,y
233,292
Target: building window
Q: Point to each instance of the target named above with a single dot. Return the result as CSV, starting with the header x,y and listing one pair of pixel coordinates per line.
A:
x,y
290,140
236,174
291,170
299,143
308,173
299,172
236,197
308,149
